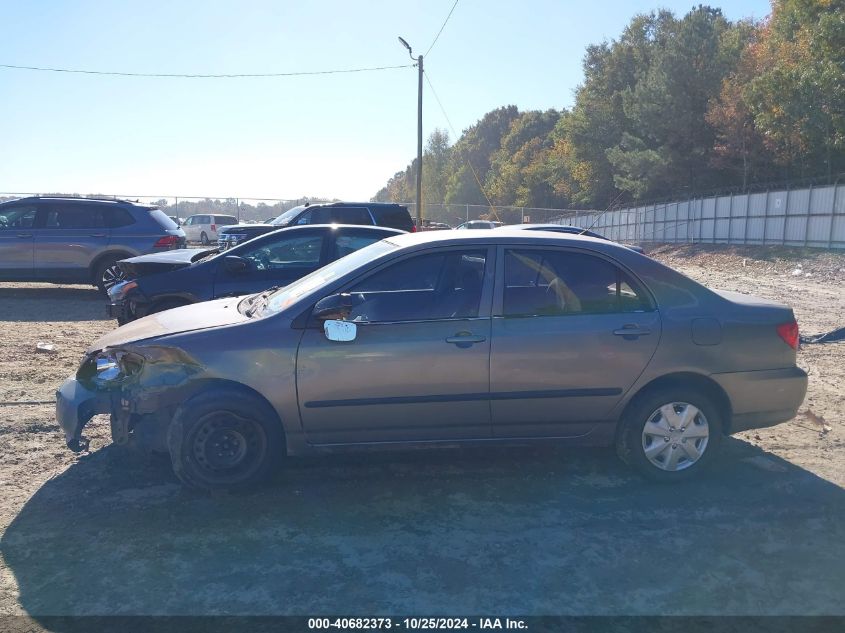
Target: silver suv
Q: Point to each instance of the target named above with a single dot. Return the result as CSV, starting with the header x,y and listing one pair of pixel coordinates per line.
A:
x,y
79,240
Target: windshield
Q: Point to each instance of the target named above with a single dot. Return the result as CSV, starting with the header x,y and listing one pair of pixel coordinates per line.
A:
x,y
284,297
287,216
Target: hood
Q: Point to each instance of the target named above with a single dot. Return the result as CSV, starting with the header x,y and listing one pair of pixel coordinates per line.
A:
x,y
144,265
197,316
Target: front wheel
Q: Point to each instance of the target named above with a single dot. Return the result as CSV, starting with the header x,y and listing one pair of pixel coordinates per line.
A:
x,y
670,434
225,440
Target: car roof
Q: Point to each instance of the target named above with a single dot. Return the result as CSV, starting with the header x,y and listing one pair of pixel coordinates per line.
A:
x,y
356,204
85,199
508,235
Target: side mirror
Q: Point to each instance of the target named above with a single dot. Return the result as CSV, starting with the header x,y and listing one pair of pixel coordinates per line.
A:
x,y
340,331
336,307
235,264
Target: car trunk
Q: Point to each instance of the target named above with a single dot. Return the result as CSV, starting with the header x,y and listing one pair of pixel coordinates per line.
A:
x,y
143,265
767,327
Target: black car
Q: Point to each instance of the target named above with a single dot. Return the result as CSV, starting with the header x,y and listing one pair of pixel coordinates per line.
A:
x,y
570,230
394,216
79,240
169,280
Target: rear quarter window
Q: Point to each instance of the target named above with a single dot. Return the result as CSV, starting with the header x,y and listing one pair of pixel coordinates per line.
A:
x,y
162,219
225,220
395,218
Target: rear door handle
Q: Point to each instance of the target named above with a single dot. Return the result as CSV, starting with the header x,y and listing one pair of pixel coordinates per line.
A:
x,y
465,339
97,235
632,331
22,235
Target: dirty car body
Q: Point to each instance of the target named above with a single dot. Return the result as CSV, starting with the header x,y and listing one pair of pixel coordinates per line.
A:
x,y
447,338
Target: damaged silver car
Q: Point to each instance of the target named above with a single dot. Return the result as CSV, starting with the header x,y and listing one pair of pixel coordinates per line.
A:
x,y
447,338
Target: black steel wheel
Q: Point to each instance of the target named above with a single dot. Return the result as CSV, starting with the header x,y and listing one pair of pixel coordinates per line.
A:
x,y
225,439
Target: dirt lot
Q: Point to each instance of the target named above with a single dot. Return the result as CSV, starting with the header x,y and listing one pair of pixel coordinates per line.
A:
x,y
526,531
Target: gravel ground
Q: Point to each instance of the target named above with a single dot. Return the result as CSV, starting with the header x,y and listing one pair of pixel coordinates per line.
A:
x,y
525,531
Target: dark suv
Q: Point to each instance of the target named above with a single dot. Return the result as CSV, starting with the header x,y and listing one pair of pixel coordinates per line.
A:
x,y
394,216
79,240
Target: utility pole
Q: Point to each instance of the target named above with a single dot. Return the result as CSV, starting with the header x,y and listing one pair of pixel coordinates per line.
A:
x,y
419,61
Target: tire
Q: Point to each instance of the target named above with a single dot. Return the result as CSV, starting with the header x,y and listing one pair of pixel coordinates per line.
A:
x,y
225,439
204,239
107,273
671,459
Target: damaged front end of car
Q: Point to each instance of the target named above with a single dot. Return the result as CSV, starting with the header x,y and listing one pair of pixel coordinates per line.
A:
x,y
138,385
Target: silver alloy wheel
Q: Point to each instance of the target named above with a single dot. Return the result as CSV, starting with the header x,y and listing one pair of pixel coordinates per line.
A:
x,y
675,436
111,276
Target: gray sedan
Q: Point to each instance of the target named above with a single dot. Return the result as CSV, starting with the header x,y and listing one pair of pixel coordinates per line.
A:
x,y
447,338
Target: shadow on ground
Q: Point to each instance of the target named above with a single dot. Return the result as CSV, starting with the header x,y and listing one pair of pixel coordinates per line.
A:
x,y
503,531
51,303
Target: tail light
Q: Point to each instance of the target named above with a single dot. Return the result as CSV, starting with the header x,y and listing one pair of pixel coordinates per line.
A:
x,y
789,333
413,228
166,242
214,228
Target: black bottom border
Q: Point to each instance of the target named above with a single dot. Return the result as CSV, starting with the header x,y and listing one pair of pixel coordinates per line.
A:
x,y
574,624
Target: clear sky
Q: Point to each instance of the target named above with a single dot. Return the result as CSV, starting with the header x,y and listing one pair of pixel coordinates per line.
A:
x,y
333,135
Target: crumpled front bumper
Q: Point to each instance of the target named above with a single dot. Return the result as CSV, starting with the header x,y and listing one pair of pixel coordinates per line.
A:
x,y
75,406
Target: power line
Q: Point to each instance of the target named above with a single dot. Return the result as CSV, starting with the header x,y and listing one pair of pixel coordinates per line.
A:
x,y
452,127
202,76
436,37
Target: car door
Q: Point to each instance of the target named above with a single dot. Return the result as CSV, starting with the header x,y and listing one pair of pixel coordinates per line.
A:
x,y
572,331
68,236
16,240
275,260
418,369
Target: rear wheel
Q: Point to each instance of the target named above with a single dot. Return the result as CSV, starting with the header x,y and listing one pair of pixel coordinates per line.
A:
x,y
204,239
225,440
107,274
670,434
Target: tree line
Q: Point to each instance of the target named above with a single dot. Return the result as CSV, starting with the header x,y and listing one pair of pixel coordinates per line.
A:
x,y
674,107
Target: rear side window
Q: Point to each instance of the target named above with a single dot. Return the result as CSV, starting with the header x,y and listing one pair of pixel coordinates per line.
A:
x,y
348,243
351,215
75,216
162,219
554,283
117,217
393,217
17,217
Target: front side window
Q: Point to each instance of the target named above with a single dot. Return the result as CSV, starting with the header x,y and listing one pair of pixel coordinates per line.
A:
x,y
444,285
555,283
17,217
288,252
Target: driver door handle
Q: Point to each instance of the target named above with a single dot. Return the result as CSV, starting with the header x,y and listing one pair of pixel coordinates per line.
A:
x,y
24,234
